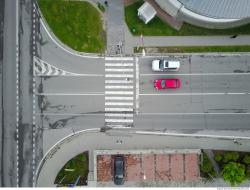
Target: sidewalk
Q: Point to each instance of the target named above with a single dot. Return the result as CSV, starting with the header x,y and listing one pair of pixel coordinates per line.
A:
x,y
115,25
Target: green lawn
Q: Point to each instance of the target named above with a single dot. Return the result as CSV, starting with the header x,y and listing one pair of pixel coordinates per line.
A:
x,y
195,49
76,23
77,166
156,27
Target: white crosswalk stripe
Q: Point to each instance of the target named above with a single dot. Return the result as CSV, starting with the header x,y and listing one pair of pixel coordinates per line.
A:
x,y
118,81
119,92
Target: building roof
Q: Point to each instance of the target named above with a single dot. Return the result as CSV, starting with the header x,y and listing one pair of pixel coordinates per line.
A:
x,y
229,9
146,12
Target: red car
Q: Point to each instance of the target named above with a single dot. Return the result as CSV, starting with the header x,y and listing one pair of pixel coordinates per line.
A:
x,y
167,83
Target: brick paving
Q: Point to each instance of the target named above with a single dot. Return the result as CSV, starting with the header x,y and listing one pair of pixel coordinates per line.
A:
x,y
151,167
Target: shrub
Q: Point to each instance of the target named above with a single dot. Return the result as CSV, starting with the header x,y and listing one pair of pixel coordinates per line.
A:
x,y
248,172
246,159
217,157
231,156
234,173
206,166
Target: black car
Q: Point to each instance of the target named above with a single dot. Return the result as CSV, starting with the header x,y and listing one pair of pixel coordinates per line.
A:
x,y
119,170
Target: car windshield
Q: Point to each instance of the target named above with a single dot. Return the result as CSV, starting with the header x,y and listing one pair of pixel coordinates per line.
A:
x,y
161,64
163,83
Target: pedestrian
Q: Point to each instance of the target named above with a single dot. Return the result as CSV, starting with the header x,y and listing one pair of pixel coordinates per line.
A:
x,y
234,36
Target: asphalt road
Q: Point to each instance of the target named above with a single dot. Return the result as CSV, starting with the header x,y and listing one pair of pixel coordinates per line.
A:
x,y
8,154
214,94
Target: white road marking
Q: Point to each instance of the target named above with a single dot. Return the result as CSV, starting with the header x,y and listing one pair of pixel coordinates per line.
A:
x,y
120,92
119,109
191,135
17,94
119,70
68,94
118,98
119,58
118,64
118,126
185,113
191,74
118,81
118,103
119,120
118,115
119,87
118,76
137,85
195,94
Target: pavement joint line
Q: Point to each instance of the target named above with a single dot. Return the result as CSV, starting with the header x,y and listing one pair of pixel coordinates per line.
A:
x,y
17,94
191,74
137,85
119,58
196,94
195,113
191,135
59,45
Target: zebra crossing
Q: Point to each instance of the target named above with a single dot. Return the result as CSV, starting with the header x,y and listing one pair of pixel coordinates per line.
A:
x,y
119,92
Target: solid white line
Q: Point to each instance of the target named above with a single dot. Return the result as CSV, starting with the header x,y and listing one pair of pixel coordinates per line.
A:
x,y
119,120
118,81
71,75
119,109
118,64
119,92
119,58
118,98
191,135
67,114
194,113
68,94
119,70
119,87
59,45
118,76
194,94
118,115
191,74
118,103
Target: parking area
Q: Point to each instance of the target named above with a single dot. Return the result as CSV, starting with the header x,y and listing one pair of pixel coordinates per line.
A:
x,y
176,166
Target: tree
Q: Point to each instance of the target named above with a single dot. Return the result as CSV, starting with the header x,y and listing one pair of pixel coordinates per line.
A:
x,y
246,159
234,173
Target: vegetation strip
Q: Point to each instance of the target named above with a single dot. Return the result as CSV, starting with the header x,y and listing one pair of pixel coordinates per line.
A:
x,y
76,23
193,49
